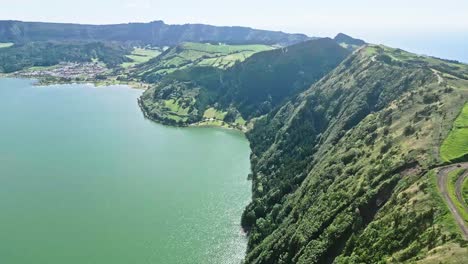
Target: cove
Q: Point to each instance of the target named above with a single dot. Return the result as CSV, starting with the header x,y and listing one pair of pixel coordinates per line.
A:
x,y
85,178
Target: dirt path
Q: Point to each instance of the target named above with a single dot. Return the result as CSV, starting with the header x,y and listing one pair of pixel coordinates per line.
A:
x,y
459,189
442,178
440,79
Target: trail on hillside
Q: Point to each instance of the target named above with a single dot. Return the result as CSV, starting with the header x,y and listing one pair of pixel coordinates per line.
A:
x,y
459,189
442,179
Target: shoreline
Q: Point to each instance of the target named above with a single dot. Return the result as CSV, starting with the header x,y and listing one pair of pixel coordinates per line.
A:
x,y
49,80
43,81
197,124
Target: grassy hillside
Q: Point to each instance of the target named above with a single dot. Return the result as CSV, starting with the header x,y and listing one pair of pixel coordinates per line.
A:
x,y
141,55
246,90
342,172
455,147
189,55
349,42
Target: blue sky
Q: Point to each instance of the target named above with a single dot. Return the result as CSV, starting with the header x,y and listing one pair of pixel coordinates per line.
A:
x,y
376,21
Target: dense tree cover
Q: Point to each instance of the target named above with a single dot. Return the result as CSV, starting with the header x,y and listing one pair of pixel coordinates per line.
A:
x,y
253,87
326,164
18,57
341,171
155,33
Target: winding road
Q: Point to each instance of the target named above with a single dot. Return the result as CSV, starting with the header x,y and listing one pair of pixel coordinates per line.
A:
x,y
442,179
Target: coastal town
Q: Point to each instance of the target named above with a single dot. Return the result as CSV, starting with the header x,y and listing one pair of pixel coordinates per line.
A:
x,y
67,70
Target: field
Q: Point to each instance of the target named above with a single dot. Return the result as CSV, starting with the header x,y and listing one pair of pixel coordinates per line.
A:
x,y
5,45
215,114
141,55
198,54
451,253
453,176
175,110
455,145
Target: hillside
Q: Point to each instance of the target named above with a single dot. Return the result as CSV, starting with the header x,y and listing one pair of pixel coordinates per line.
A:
x,y
349,42
155,33
342,172
189,54
42,54
246,90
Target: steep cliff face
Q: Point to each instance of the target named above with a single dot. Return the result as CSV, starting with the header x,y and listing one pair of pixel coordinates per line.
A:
x,y
331,167
155,33
343,149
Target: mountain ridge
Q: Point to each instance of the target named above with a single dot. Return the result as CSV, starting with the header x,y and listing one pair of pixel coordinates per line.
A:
x,y
330,162
154,33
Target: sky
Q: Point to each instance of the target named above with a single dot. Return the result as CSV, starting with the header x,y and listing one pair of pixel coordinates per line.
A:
x,y
406,23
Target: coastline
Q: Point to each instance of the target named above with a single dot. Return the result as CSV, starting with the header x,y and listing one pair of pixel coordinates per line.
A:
x,y
228,126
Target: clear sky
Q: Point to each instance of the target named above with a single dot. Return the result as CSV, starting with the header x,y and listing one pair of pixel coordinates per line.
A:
x,y
375,21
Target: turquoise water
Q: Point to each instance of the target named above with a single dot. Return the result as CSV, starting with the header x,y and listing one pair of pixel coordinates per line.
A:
x,y
85,178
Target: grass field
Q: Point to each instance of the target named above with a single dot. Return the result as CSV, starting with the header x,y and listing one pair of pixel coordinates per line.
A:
x,y
200,54
213,113
451,253
456,144
5,45
453,176
175,108
140,55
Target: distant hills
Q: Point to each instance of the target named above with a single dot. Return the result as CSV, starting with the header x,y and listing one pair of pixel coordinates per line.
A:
x,y
248,89
154,33
348,41
343,38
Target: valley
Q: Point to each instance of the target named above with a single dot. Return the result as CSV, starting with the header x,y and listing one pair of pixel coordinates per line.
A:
x,y
357,149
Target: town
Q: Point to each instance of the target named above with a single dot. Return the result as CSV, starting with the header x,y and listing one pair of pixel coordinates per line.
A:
x,y
67,70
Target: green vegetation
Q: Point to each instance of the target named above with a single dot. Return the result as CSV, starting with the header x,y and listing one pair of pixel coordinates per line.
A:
x,y
453,176
450,253
465,190
6,45
348,42
188,55
43,54
455,147
338,172
213,113
141,55
340,169
248,89
445,219
342,143
411,226
155,33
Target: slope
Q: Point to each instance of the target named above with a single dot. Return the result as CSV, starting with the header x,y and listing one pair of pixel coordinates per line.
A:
x,y
188,55
342,171
247,89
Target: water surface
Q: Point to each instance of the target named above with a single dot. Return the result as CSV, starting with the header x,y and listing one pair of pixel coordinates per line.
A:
x,y
84,178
